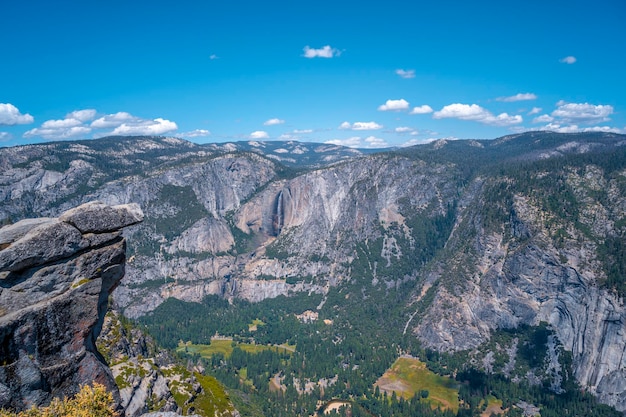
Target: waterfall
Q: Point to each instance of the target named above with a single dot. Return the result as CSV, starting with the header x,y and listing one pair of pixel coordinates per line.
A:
x,y
278,220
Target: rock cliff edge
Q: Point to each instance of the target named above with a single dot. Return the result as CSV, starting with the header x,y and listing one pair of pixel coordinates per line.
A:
x,y
56,275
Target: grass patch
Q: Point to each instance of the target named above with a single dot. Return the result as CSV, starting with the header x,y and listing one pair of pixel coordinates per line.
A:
x,y
492,406
213,400
409,376
255,324
225,347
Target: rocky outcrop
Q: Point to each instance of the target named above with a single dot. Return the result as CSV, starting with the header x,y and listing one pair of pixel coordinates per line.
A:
x,y
56,276
151,380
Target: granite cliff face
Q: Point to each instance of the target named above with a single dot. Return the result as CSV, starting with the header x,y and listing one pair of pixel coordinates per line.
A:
x,y
490,234
56,276
538,265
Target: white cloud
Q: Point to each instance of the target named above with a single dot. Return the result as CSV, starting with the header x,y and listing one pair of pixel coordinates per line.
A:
x,y
403,129
213,56
353,142
406,73
518,97
582,112
274,121
259,134
323,52
61,124
555,127
58,131
113,120
82,115
360,126
371,142
157,126
413,142
568,60
76,125
604,129
476,113
70,127
10,115
535,110
574,128
461,111
197,133
4,136
423,109
374,142
302,131
544,118
394,105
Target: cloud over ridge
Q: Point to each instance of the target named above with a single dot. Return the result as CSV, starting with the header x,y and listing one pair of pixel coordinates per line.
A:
x,y
474,112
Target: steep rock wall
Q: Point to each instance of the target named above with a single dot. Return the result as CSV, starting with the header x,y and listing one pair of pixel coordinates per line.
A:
x,y
538,268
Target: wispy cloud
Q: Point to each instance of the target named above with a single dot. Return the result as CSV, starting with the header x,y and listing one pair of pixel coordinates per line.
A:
x,y
535,110
10,115
423,109
213,56
573,128
518,97
582,112
406,73
394,105
370,142
57,131
5,136
272,122
259,134
113,120
196,133
413,142
544,118
323,52
568,60
360,126
403,129
353,142
476,113
373,142
156,126
82,115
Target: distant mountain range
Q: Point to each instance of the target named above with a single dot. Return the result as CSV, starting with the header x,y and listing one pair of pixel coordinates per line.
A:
x,y
471,236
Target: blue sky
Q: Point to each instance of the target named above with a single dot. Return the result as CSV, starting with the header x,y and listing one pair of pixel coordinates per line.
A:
x,y
366,74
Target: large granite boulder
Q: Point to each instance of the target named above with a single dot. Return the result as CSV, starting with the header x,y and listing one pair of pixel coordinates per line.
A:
x,y
56,276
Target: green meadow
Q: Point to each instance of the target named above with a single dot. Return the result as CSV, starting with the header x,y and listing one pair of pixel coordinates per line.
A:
x,y
409,376
226,346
